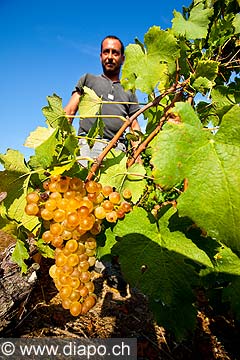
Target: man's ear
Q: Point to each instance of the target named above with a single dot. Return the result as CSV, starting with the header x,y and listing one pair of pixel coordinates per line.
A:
x,y
123,59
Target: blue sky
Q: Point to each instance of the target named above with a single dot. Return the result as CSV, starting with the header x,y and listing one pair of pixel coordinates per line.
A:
x,y
47,45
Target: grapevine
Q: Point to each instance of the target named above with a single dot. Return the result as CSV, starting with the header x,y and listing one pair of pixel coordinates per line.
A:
x,y
72,213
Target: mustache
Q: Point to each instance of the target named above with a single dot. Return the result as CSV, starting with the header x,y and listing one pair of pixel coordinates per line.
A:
x,y
109,61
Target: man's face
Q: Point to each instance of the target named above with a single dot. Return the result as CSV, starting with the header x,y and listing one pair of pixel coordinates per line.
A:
x,y
111,57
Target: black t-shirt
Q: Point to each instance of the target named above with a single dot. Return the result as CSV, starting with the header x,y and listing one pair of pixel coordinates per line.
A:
x,y
108,91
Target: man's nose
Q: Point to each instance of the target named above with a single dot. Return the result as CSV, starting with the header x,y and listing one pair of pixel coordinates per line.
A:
x,y
110,54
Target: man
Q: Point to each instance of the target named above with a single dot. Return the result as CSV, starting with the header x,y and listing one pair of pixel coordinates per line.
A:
x,y
108,87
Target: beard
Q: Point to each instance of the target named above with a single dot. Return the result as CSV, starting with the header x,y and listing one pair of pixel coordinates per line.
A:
x,y
110,68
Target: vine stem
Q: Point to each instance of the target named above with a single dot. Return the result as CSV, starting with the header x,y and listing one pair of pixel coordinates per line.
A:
x,y
95,166
150,137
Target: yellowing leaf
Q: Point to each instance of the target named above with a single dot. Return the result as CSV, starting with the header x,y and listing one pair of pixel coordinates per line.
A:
x,y
90,103
38,136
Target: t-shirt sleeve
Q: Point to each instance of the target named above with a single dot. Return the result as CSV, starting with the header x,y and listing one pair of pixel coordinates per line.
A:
x,y
80,84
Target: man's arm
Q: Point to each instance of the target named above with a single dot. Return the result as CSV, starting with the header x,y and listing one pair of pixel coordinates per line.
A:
x,y
72,106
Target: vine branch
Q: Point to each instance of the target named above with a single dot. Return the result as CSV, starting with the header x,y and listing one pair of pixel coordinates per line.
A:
x,y
95,166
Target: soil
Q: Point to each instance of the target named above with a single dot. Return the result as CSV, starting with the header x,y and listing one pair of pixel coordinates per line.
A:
x,y
116,316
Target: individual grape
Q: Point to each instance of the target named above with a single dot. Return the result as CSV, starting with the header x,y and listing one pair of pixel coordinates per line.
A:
x,y
91,260
44,196
96,229
50,204
61,259
99,212
73,204
83,256
90,252
75,295
59,215
99,187
86,202
52,271
111,216
66,303
120,213
67,269
85,276
75,308
46,185
107,205
87,223
91,186
57,241
56,229
73,219
127,194
46,214
92,197
62,203
55,196
107,190
63,184
47,236
80,251
75,272
115,197
90,301
70,194
65,291
74,282
64,279
76,184
84,291
66,234
73,260
99,198
83,212
83,265
71,245
90,243
33,197
90,286
125,206
32,209
53,186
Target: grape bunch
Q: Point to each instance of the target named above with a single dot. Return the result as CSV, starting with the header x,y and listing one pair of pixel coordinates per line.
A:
x,y
72,213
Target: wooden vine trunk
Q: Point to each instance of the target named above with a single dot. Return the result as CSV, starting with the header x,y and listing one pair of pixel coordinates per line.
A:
x,y
15,287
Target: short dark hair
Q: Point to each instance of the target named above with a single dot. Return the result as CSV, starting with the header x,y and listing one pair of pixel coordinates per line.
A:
x,y
116,38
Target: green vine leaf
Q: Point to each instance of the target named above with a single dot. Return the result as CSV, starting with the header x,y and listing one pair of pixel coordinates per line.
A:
x,y
116,174
236,23
45,152
196,26
182,151
15,181
155,260
90,103
20,254
231,294
147,70
55,115
44,249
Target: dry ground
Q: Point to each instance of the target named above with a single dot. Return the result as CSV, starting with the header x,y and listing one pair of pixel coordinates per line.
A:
x,y
216,337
